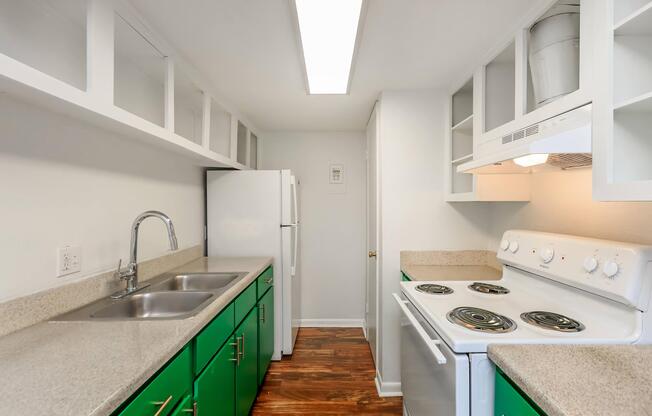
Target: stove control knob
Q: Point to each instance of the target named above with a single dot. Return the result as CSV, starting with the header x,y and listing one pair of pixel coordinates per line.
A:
x,y
590,264
610,269
546,254
504,245
513,246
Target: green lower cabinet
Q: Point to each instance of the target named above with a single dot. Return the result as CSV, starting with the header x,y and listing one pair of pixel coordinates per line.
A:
x,y
165,390
215,386
405,277
246,375
508,401
185,408
265,333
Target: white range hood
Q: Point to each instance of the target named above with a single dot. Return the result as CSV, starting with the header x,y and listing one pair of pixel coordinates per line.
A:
x,y
565,139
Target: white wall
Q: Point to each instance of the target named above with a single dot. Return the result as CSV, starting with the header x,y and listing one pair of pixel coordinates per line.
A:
x,y
561,203
332,244
414,213
66,183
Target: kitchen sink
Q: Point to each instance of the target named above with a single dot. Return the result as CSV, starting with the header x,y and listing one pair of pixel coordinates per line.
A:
x,y
198,281
169,296
153,305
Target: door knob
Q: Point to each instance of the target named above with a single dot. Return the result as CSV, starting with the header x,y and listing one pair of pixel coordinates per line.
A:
x,y
372,253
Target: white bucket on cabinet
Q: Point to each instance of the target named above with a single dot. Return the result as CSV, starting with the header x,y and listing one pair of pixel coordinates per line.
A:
x,y
555,53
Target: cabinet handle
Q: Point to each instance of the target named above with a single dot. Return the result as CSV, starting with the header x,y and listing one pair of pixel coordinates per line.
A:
x,y
269,281
262,312
193,410
163,406
243,346
236,344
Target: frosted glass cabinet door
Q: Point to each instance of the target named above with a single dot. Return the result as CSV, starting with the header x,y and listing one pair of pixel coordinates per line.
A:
x,y
139,74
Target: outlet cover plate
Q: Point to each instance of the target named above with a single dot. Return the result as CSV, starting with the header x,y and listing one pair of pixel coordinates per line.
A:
x,y
68,260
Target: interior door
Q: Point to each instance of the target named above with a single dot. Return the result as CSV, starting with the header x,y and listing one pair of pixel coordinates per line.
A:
x,y
372,233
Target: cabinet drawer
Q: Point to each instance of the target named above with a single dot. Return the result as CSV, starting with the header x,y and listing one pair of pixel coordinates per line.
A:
x,y
166,389
265,281
245,302
213,337
508,401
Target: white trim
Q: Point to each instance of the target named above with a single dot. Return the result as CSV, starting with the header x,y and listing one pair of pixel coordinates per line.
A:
x,y
387,389
331,323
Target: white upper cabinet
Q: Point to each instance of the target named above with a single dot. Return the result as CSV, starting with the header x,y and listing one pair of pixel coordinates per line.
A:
x,y
622,126
543,70
99,61
460,129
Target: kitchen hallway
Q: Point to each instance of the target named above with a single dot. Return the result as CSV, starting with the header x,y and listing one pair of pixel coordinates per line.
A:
x,y
331,372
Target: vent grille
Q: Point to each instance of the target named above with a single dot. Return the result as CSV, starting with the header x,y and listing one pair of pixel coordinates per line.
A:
x,y
519,135
570,160
532,130
507,139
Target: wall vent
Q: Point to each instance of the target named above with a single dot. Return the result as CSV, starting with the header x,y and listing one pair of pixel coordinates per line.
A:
x,y
507,139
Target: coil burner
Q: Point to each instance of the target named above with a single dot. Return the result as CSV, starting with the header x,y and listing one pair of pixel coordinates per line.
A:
x,y
488,288
434,289
481,320
552,321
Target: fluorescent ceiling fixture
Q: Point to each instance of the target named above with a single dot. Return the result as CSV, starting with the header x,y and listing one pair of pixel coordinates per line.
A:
x,y
531,160
328,30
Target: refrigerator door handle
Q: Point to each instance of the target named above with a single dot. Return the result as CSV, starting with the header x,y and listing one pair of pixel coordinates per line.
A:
x,y
293,269
293,186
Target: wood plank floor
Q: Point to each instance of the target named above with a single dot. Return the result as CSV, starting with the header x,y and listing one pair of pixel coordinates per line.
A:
x,y
330,373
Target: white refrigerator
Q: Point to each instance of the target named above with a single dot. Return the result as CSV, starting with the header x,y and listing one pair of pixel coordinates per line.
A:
x,y
255,213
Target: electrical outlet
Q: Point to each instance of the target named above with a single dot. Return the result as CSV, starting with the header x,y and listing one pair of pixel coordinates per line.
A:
x,y
68,260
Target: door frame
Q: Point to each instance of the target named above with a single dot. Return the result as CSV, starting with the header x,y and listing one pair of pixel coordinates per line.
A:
x,y
373,116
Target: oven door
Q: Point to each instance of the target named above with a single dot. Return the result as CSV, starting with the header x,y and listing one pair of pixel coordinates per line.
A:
x,y
434,380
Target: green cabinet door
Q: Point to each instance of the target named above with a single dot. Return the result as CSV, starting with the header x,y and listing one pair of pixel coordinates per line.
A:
x,y
265,333
508,401
215,386
246,386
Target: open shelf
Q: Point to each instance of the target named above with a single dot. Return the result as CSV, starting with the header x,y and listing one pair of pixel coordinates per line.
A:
x,y
462,159
462,103
642,103
638,23
113,74
28,84
47,35
632,65
461,183
465,125
499,91
188,108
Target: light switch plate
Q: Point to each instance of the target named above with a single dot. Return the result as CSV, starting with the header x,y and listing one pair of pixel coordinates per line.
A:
x,y
68,260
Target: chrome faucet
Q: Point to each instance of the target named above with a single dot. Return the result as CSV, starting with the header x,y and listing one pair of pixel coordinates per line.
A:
x,y
130,273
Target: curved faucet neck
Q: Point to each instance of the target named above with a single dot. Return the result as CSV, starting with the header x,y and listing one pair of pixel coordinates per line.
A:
x,y
133,250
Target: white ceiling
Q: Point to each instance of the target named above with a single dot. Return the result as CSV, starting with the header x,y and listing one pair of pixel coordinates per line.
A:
x,y
248,50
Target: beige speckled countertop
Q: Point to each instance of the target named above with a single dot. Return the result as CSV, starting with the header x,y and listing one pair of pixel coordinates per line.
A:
x,y
90,368
581,380
451,265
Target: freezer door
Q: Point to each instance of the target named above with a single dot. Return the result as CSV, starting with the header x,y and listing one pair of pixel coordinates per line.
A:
x,y
434,379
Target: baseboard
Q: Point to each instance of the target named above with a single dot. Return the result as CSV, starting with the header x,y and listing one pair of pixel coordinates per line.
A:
x,y
331,323
387,389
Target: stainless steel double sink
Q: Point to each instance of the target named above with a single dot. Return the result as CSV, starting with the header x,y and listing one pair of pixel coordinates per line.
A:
x,y
169,296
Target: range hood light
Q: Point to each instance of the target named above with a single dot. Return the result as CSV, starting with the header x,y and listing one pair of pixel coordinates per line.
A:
x,y
531,160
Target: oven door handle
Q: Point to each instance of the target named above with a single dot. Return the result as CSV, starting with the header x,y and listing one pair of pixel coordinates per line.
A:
x,y
432,344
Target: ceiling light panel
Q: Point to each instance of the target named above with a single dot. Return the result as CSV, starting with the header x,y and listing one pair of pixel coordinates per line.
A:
x,y
328,30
